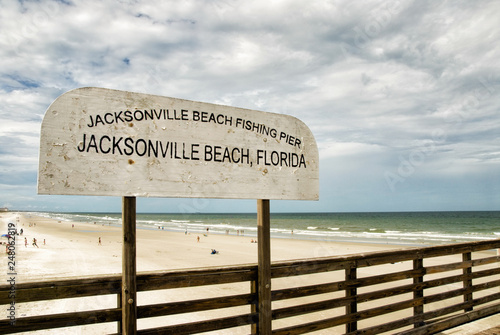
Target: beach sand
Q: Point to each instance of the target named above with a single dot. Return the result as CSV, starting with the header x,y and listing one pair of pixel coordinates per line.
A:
x,y
69,249
72,250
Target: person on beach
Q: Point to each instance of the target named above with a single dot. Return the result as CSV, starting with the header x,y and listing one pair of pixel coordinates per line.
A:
x,y
99,241
34,242
198,239
25,242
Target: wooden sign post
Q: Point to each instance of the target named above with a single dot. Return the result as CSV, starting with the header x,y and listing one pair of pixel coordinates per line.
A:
x,y
104,142
129,287
264,266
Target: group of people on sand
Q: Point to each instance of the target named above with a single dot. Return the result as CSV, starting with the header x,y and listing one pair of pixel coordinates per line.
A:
x,y
33,242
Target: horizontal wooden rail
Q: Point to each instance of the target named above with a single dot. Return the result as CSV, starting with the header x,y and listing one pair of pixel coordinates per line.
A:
x,y
60,320
194,305
61,289
453,292
203,326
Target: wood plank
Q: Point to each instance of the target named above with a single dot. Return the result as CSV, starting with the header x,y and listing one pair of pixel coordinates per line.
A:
x,y
191,306
129,287
200,277
25,324
203,326
467,282
307,267
453,321
461,265
344,319
264,270
390,277
351,292
312,307
254,290
418,293
29,292
304,291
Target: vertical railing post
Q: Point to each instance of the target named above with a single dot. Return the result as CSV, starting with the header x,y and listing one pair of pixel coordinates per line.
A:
x,y
351,292
119,305
418,292
129,290
264,267
254,307
467,271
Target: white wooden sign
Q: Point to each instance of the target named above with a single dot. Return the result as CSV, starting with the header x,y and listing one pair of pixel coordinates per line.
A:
x,y
97,141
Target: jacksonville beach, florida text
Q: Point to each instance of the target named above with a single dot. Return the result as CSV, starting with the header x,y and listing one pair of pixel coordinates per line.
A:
x,y
108,144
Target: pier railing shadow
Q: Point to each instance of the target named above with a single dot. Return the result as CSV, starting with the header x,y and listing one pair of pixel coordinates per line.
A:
x,y
408,291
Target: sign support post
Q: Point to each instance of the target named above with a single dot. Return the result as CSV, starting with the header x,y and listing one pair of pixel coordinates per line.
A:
x,y
129,289
264,267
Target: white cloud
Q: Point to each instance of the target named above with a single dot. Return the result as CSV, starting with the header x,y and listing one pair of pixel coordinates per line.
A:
x,y
375,81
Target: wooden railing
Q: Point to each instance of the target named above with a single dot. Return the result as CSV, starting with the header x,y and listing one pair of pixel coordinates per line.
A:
x,y
409,291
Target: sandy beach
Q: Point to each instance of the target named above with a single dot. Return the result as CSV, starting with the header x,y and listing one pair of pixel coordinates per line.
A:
x,y
69,250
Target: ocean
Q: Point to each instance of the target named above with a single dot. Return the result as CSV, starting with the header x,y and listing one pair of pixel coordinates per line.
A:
x,y
405,228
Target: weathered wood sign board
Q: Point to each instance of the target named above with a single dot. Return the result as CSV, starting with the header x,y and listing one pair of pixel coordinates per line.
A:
x,y
97,141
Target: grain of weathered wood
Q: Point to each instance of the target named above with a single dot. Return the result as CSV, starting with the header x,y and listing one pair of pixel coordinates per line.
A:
x,y
304,268
303,291
191,306
313,307
453,321
27,292
24,324
461,265
254,307
264,266
418,293
202,326
129,287
351,292
389,277
467,282
195,278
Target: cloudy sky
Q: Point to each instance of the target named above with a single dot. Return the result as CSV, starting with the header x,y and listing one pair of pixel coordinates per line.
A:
x,y
403,97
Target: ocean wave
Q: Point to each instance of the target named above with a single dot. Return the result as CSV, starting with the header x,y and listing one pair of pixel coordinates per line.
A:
x,y
415,228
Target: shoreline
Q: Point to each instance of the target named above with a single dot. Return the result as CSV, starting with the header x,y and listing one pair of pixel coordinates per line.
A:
x,y
73,249
413,229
